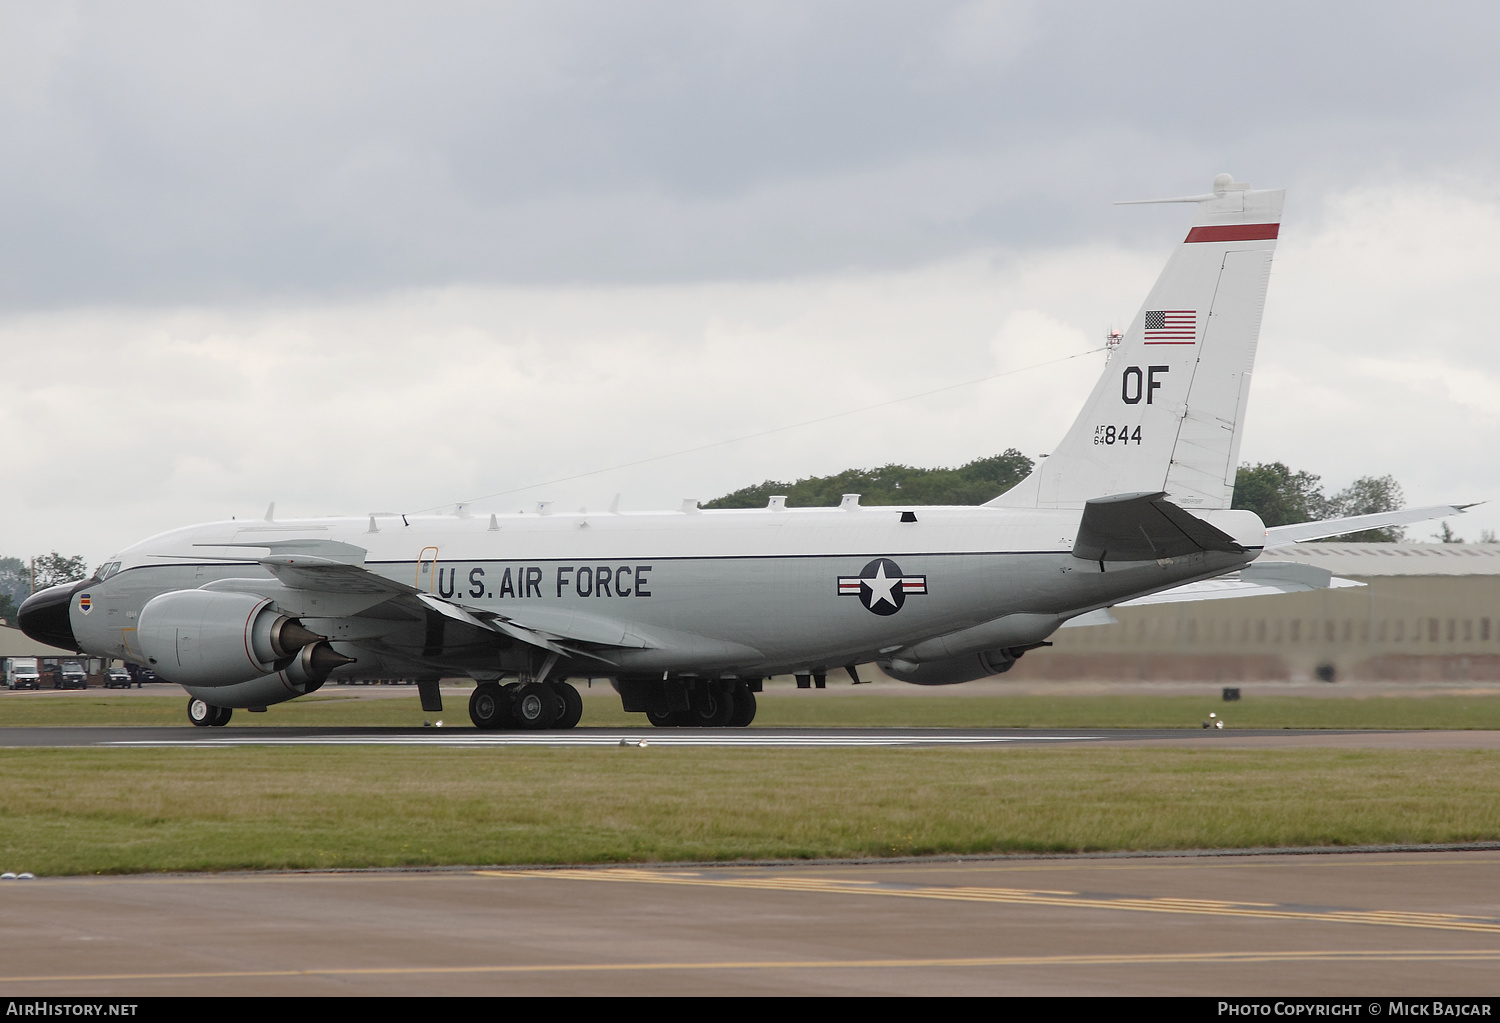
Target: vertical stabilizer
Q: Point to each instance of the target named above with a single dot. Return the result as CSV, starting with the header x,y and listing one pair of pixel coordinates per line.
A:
x,y
1169,411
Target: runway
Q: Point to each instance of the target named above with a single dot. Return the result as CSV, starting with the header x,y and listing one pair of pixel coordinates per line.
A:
x,y
186,736
1369,923
1362,924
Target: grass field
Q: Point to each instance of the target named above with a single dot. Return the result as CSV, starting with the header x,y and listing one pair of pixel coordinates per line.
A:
x,y
70,811
786,708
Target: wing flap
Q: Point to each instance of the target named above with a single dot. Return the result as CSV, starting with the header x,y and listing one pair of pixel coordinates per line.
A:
x,y
581,627
491,622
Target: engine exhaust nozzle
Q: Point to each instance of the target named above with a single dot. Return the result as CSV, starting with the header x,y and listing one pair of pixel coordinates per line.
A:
x,y
289,635
318,661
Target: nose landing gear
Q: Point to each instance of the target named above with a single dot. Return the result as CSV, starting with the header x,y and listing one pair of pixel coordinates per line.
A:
x,y
205,715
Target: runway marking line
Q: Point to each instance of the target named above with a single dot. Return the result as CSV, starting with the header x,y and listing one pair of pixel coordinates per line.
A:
x,y
1145,959
589,740
1031,897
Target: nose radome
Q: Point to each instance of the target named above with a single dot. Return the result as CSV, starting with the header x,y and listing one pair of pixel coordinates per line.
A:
x,y
44,615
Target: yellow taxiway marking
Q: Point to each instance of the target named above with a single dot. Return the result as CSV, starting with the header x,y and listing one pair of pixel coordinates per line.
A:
x,y
1251,861
1029,897
985,865
1164,958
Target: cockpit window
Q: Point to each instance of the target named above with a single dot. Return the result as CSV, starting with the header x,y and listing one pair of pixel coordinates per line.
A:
x,y
106,570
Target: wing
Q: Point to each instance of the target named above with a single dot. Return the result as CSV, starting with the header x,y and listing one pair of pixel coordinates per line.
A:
x,y
326,580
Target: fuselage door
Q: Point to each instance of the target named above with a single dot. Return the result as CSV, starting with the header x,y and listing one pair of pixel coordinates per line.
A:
x,y
131,647
426,569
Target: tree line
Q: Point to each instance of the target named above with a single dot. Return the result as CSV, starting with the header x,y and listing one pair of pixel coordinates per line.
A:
x,y
16,582
1275,492
973,483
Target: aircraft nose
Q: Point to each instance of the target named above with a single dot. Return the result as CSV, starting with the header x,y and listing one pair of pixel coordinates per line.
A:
x,y
44,615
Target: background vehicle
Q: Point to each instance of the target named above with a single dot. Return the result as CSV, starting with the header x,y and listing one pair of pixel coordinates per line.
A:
x,y
23,674
117,678
73,676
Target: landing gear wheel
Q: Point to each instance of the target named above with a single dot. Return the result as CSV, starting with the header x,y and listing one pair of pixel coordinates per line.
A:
x,y
538,706
572,705
201,714
205,715
489,707
712,708
744,707
662,718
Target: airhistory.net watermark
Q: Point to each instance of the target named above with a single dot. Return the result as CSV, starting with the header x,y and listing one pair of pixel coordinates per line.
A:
x,y
68,1007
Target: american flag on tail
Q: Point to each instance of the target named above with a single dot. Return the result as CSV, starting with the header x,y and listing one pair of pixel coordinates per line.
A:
x,y
1171,326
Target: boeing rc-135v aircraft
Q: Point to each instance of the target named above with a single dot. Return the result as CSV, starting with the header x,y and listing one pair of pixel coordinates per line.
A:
x,y
688,611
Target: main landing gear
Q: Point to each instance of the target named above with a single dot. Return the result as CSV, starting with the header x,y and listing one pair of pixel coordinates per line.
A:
x,y
710,705
205,715
529,705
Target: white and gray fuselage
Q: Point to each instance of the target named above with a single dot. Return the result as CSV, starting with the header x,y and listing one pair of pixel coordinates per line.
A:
x,y
732,593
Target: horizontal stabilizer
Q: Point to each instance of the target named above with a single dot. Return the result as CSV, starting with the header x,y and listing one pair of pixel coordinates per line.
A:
x,y
1144,527
1278,535
1259,580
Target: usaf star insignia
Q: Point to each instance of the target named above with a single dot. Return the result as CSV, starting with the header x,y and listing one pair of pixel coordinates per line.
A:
x,y
881,586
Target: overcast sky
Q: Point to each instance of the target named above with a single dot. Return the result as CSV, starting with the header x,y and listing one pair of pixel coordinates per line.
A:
x,y
357,257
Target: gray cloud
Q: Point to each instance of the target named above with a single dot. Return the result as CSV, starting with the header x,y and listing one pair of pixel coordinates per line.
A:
x,y
187,152
354,256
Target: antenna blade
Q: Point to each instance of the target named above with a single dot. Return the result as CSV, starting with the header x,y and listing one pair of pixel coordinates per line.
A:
x,y
1180,198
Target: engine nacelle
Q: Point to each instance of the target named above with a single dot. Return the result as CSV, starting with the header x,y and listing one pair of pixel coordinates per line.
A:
x,y
977,652
947,671
304,674
210,638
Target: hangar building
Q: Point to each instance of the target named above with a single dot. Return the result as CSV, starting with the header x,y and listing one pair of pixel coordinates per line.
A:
x,y
1427,612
